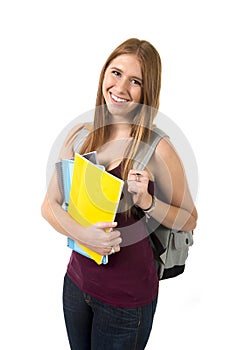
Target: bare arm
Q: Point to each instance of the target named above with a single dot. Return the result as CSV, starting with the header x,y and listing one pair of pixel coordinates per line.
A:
x,y
174,206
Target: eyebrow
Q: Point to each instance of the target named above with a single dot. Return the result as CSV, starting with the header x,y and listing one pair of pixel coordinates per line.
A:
x,y
134,77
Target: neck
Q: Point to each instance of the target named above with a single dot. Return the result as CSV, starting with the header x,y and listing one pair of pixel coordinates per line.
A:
x,y
120,123
120,130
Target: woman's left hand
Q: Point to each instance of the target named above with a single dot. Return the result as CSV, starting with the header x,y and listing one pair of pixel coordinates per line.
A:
x,y
138,185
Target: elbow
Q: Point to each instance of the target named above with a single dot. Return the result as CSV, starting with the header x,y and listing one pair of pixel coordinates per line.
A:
x,y
188,226
45,209
48,214
183,221
191,222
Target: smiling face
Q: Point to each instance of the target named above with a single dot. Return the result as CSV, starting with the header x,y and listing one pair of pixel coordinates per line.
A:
x,y
123,85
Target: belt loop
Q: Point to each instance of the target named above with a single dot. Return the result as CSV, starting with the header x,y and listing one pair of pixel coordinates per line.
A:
x,y
87,298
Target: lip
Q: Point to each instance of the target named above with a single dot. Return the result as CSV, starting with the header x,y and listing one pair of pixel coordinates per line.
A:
x,y
111,94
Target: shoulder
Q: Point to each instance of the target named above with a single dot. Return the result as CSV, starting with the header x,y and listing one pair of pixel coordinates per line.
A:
x,y
73,136
165,148
165,155
79,129
160,142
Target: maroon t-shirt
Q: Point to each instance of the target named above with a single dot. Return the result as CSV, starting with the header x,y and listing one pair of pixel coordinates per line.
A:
x,y
129,279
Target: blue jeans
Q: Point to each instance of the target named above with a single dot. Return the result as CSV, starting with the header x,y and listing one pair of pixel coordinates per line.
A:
x,y
94,325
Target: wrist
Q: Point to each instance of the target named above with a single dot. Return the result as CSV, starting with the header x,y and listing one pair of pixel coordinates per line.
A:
x,y
151,208
146,203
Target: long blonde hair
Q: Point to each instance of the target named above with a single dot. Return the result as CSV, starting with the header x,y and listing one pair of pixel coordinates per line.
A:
x,y
145,113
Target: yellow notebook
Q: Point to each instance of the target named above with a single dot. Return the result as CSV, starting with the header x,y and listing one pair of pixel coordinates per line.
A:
x,y
94,196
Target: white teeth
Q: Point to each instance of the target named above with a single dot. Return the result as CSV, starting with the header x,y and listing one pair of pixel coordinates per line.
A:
x,y
118,99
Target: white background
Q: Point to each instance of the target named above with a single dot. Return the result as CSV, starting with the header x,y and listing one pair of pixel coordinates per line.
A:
x,y
51,56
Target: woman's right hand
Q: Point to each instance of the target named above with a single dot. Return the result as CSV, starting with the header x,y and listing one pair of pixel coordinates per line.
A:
x,y
97,239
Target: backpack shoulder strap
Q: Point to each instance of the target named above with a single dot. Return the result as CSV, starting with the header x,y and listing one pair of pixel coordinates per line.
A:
x,y
144,154
81,137
146,150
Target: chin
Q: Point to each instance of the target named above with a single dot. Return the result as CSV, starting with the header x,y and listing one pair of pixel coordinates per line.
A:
x,y
123,109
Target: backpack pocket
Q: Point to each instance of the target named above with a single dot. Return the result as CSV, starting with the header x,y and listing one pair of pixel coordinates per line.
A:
x,y
177,252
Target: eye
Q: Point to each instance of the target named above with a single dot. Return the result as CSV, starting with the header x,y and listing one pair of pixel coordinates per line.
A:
x,y
136,82
116,73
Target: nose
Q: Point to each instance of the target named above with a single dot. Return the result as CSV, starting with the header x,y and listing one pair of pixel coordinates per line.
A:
x,y
122,85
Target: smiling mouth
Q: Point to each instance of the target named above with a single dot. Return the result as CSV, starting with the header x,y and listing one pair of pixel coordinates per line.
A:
x,y
117,99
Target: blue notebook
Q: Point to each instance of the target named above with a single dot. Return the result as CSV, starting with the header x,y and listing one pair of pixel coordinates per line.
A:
x,y
67,171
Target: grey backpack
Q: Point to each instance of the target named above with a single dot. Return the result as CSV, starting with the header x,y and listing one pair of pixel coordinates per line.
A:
x,y
170,247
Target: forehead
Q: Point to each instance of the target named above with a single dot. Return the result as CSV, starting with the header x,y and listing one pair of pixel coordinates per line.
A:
x,y
129,64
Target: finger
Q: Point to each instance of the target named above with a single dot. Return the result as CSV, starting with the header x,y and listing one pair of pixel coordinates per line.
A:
x,y
132,188
134,175
115,242
135,172
113,238
113,250
106,225
137,187
138,177
117,248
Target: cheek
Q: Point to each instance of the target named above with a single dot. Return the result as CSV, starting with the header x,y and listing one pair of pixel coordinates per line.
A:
x,y
108,81
105,86
137,95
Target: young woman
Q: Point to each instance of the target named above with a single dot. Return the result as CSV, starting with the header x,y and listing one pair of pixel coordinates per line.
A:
x,y
112,306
